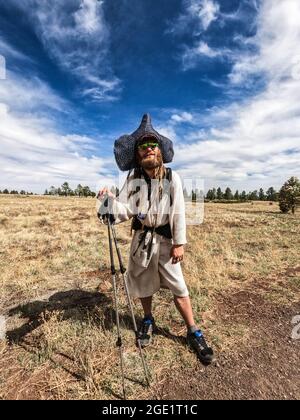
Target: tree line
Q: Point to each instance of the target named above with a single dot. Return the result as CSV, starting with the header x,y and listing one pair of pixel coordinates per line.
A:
x,y
22,192
66,191
288,196
257,195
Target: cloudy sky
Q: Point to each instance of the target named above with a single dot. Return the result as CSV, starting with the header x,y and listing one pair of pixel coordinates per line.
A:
x,y
221,78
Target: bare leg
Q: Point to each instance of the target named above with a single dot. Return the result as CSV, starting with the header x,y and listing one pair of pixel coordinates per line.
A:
x,y
183,304
196,342
147,305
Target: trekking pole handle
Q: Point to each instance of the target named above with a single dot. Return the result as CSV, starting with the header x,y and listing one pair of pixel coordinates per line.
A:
x,y
105,211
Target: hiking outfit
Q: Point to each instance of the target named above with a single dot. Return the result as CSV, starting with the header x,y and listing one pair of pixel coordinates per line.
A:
x,y
147,273
162,220
158,222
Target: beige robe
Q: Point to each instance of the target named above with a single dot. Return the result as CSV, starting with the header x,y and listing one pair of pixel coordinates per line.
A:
x,y
144,282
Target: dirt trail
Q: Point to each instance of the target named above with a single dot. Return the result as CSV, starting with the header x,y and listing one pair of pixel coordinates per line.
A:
x,y
267,368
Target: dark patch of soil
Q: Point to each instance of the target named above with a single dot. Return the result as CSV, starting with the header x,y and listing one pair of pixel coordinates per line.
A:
x,y
267,368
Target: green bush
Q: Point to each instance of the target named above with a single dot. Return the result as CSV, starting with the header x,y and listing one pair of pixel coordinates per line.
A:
x,y
289,195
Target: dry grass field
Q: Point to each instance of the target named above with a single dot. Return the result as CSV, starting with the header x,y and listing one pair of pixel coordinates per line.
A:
x,y
243,271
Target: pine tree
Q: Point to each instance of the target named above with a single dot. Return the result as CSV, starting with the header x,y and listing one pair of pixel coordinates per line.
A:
x,y
86,191
262,196
289,195
65,188
228,194
271,194
219,194
237,195
209,195
253,195
53,190
78,190
244,196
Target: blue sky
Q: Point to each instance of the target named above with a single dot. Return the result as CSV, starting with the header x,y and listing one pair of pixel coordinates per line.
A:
x,y
220,78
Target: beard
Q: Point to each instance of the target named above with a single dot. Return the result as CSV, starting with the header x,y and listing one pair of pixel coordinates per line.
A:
x,y
151,162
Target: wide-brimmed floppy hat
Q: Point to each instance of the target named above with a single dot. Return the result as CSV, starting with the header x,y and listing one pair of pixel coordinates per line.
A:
x,y
125,146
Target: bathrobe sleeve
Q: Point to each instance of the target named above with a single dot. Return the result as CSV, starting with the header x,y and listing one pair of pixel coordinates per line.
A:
x,y
120,207
177,211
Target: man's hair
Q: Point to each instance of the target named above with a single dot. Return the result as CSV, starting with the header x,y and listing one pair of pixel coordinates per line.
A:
x,y
160,174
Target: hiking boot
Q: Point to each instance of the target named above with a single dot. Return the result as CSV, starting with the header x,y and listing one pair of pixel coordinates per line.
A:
x,y
197,342
145,332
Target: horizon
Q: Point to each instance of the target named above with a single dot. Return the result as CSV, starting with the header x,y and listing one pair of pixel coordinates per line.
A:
x,y
221,79
187,190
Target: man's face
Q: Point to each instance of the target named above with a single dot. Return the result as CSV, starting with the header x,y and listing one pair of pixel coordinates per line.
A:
x,y
149,154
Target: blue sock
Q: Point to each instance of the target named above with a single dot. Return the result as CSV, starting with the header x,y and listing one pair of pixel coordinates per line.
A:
x,y
194,330
148,319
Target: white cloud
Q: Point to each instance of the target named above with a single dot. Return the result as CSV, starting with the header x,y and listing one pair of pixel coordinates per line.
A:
x,y
182,118
75,34
198,14
21,93
192,55
87,16
8,51
167,130
203,49
33,154
255,142
196,20
276,42
2,67
243,13
206,10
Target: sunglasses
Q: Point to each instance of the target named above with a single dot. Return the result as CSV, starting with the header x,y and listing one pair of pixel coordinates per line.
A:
x,y
145,146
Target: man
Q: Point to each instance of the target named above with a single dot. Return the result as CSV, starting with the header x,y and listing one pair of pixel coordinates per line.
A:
x,y
153,197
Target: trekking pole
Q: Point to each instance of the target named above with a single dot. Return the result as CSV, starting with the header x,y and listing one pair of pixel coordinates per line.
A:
x,y
124,275
113,272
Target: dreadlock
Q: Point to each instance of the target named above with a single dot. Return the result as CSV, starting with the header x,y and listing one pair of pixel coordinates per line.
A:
x,y
160,173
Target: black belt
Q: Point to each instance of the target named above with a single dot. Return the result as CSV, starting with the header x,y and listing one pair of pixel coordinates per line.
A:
x,y
164,230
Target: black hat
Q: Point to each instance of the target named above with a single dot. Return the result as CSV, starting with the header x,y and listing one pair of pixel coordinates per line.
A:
x,y
125,146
